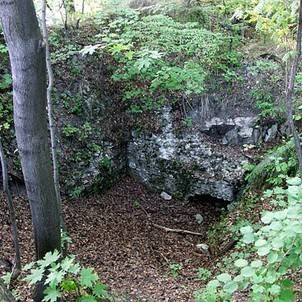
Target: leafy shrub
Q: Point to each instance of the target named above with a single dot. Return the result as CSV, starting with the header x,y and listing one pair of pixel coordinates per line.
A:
x,y
277,165
65,278
276,247
158,59
265,93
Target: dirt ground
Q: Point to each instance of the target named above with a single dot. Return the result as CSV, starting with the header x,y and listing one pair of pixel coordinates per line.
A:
x,y
115,234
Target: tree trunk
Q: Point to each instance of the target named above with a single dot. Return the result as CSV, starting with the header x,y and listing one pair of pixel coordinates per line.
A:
x,y
51,121
27,57
69,12
5,294
290,90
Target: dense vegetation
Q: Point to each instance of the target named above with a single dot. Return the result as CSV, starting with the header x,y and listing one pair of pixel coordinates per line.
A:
x,y
170,54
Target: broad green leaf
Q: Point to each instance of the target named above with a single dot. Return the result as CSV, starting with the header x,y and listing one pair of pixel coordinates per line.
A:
x,y
67,263
258,289
29,266
271,277
247,272
88,298
100,290
295,181
276,226
272,257
230,287
248,238
49,258
263,251
260,242
267,218
296,228
257,279
55,277
241,263
35,276
224,277
286,295
238,279
52,294
280,215
88,277
256,263
74,269
275,289
246,230
277,243
213,284
69,285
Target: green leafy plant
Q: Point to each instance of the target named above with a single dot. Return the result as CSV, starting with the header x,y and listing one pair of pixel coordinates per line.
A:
x,y
65,278
70,131
175,269
203,274
6,81
158,59
277,248
277,165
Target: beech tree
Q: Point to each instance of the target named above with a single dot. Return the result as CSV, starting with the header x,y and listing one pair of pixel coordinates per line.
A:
x,y
28,65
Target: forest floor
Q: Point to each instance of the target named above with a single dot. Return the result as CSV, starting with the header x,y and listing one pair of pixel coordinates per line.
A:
x,y
115,234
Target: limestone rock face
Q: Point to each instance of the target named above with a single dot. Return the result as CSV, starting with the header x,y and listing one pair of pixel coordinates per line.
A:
x,y
186,164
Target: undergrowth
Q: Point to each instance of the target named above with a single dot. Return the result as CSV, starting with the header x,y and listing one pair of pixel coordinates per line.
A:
x,y
159,60
266,223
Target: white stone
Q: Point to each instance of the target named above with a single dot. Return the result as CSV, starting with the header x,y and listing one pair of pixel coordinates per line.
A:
x,y
202,247
199,218
165,196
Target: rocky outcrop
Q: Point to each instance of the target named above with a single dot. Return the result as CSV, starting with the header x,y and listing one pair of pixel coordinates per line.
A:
x,y
204,158
185,164
207,159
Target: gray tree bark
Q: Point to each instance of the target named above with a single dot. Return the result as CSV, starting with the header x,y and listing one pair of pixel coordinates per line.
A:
x,y
291,73
27,57
51,121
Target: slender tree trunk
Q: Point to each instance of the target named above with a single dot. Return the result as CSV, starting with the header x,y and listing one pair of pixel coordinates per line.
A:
x,y
69,11
51,122
83,7
27,57
291,73
17,264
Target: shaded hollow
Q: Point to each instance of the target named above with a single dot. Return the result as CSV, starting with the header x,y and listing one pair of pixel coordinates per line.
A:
x,y
210,201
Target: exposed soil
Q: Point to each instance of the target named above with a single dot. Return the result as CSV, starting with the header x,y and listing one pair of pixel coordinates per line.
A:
x,y
113,234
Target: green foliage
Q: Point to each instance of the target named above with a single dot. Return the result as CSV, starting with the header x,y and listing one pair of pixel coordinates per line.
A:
x,y
6,81
70,131
266,89
6,105
203,274
275,18
276,166
277,248
175,269
65,278
158,59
